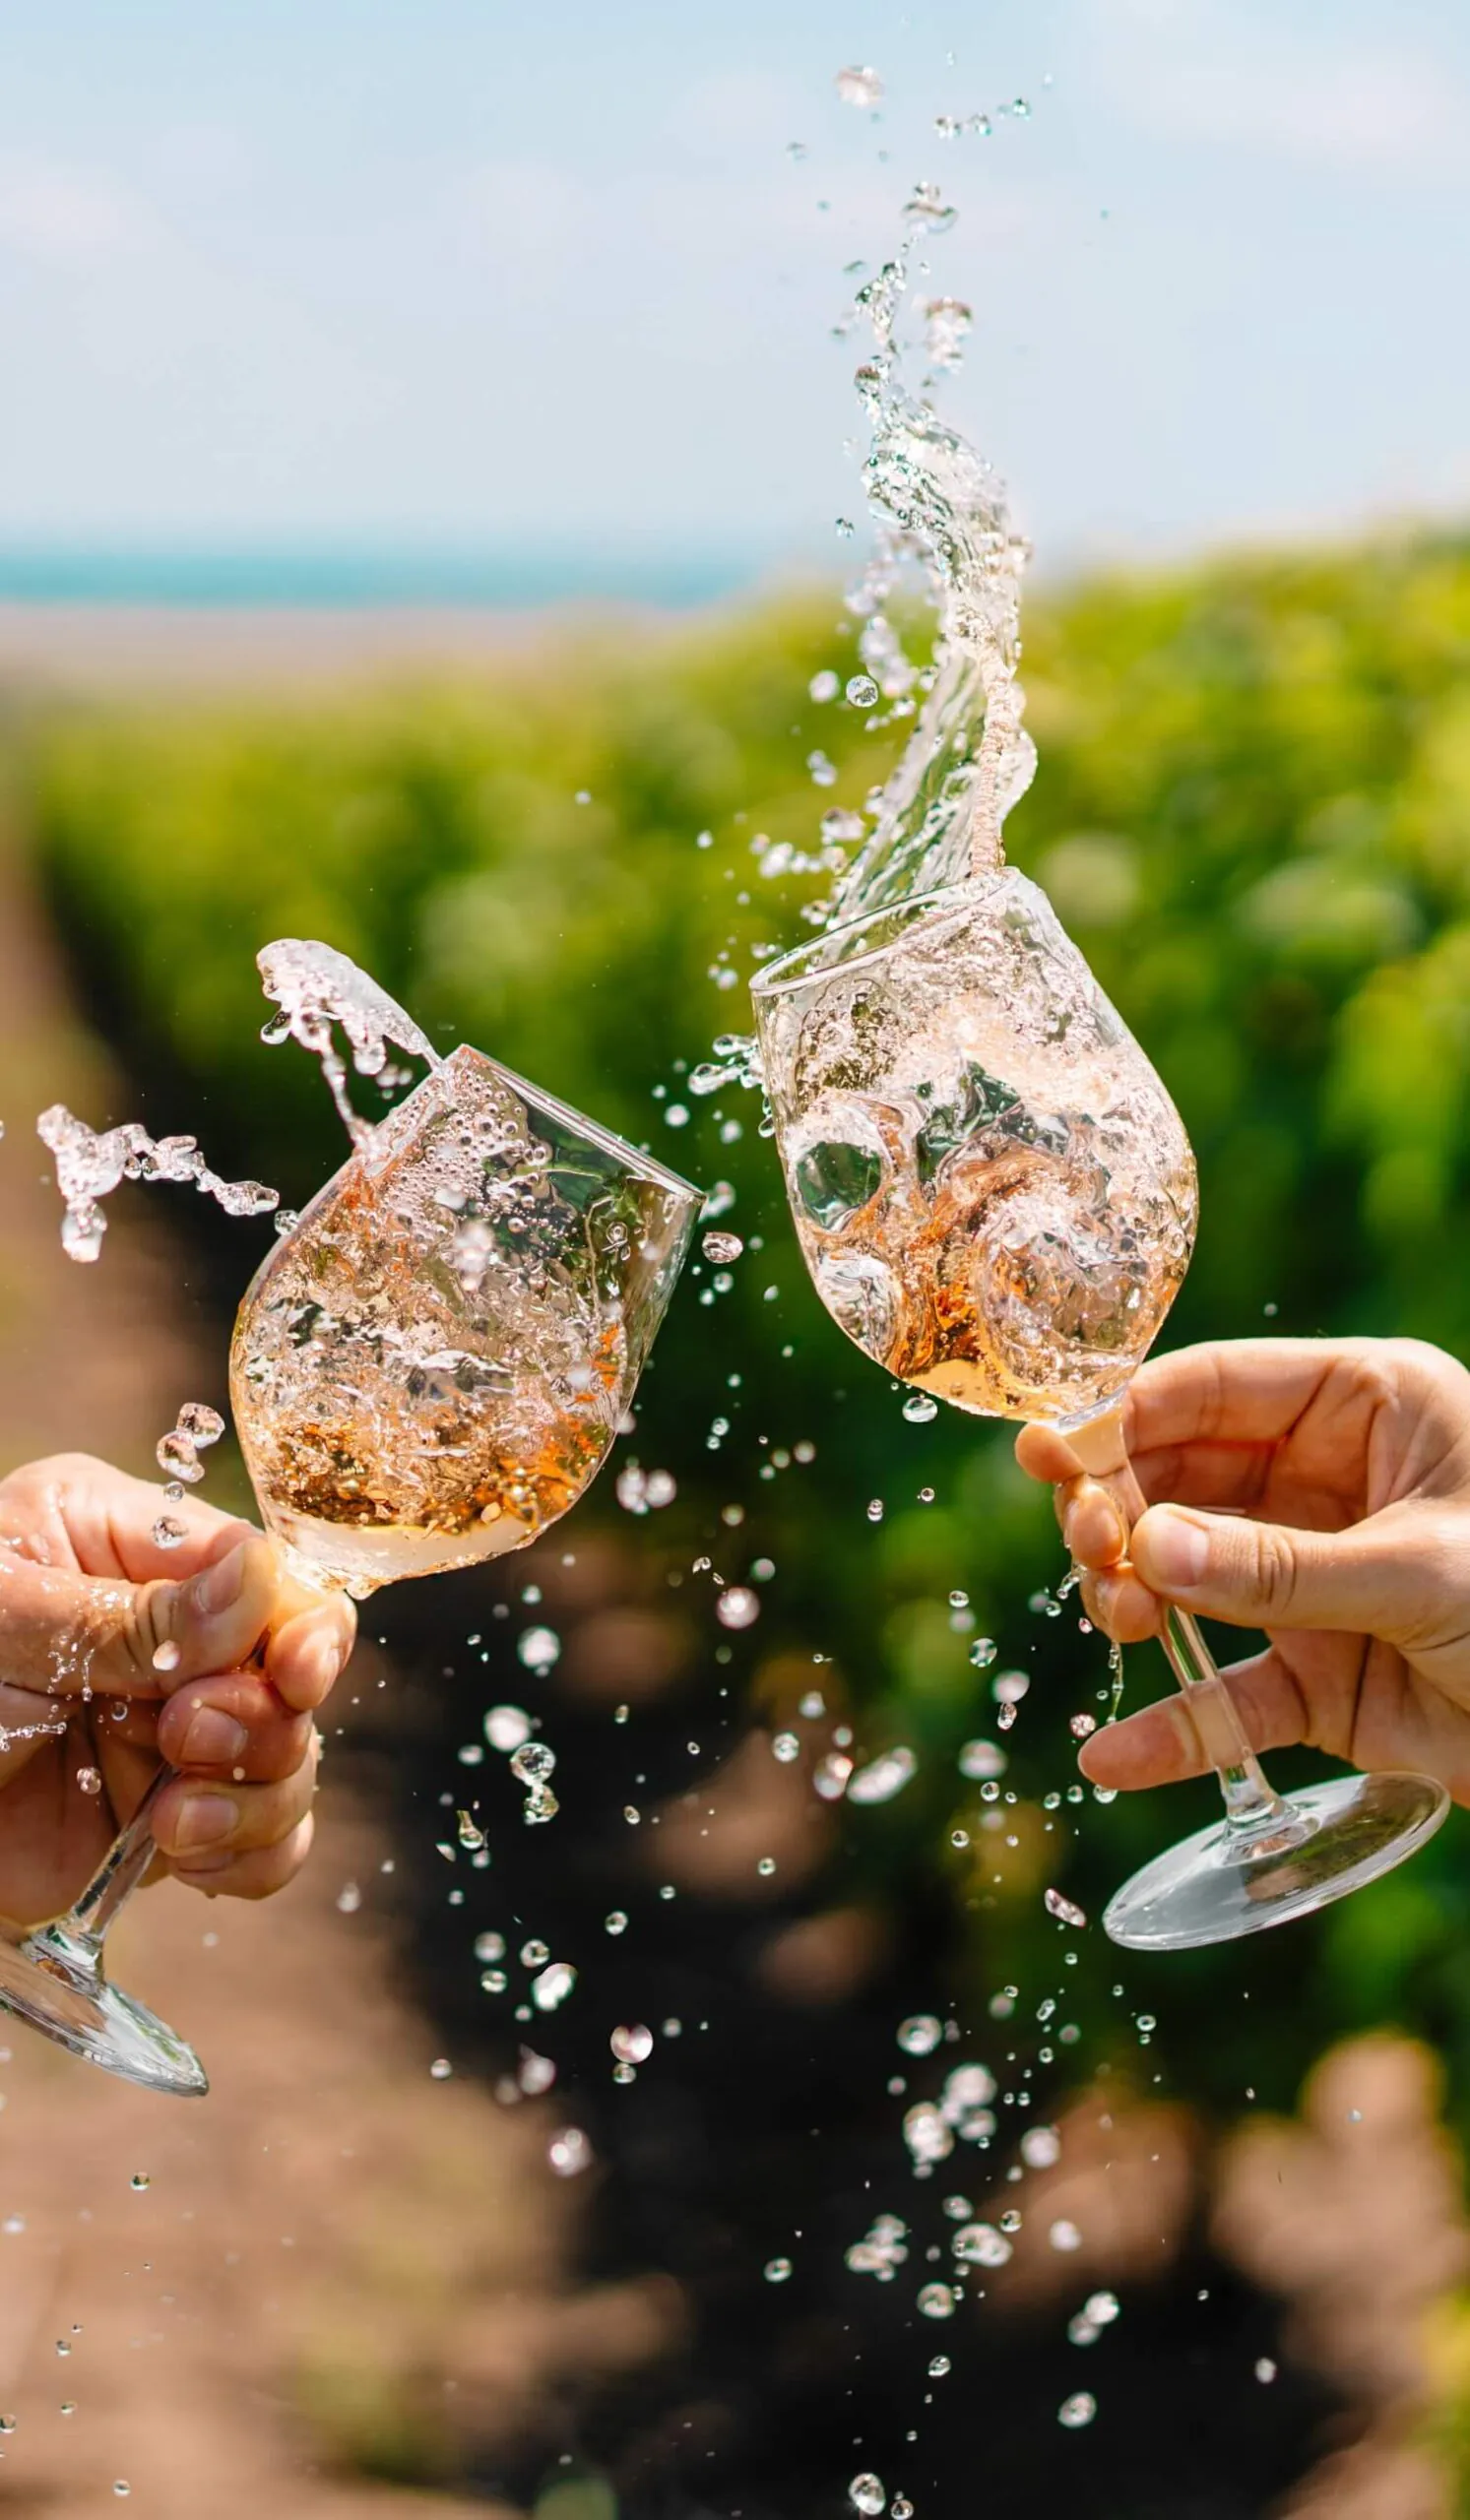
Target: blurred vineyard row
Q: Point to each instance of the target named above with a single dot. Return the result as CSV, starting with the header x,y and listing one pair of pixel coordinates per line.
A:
x,y
1252,811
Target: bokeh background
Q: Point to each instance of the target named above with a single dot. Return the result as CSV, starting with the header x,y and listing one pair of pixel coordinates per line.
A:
x,y
417,485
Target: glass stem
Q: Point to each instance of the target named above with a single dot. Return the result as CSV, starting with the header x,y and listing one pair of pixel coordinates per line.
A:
x,y
1251,1804
121,1869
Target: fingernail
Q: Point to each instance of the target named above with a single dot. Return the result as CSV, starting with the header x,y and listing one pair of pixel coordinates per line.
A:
x,y
202,1821
1090,1495
219,1587
328,1655
213,1740
1104,1593
1177,1548
1101,1758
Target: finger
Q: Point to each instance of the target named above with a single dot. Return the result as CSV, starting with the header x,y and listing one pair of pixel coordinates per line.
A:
x,y
233,1728
1091,1524
308,1654
1229,1476
1162,1745
258,1875
66,1634
1249,1391
1045,1454
99,1521
201,1824
1124,1608
1382,1577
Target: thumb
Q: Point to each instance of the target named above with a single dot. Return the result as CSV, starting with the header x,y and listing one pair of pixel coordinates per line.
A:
x,y
210,1622
67,1635
1365,1581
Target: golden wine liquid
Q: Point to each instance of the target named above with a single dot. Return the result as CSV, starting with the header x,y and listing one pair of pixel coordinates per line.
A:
x,y
428,1370
359,1528
994,1194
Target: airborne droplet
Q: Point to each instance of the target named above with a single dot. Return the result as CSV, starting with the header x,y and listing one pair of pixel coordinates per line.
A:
x,y
860,87
177,1459
202,1425
983,1760
883,1777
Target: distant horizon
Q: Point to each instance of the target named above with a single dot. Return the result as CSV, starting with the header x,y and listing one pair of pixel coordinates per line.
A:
x,y
372,570
360,572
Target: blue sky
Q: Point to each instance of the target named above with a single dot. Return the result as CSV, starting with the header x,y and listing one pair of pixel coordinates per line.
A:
x,y
461,272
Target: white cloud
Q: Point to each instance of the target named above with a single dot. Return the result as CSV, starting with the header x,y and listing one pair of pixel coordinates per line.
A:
x,y
55,212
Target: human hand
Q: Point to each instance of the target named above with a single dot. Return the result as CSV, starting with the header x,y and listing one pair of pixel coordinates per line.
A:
x,y
87,1598
1320,1489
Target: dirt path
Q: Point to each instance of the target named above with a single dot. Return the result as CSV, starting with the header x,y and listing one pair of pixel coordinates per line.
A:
x,y
338,2261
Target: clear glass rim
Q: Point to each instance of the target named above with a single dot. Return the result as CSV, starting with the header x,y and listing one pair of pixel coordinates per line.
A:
x,y
816,959
631,1157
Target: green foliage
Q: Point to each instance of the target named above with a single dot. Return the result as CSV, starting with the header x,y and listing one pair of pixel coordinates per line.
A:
x,y
1252,811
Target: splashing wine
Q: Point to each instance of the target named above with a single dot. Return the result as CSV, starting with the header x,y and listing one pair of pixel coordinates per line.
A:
x,y
428,1369
431,1367
994,1194
91,1163
315,988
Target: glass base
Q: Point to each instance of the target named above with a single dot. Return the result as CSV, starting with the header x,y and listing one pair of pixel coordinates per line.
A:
x,y
1223,1883
53,1979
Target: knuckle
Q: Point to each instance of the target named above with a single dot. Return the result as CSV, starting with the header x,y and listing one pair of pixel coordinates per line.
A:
x,y
1380,1367
36,1488
1443,1551
64,1470
1214,1397
1439,1380
139,1633
1275,1567
1415,1356
274,1866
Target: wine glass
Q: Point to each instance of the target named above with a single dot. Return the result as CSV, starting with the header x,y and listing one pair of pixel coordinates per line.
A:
x,y
427,1371
995,1199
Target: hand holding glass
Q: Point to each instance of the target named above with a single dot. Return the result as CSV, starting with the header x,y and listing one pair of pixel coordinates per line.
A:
x,y
427,1371
995,1199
